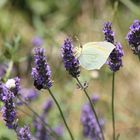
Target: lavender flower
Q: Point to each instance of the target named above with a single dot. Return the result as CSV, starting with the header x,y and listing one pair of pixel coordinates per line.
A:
x,y
3,92
90,127
41,73
95,98
47,107
37,41
70,62
2,69
24,133
133,37
13,85
59,130
41,133
8,110
28,95
109,34
115,58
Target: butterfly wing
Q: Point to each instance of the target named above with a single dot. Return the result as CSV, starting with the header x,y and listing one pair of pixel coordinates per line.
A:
x,y
95,54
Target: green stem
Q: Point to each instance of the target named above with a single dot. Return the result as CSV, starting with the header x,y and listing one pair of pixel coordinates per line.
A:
x,y
61,113
36,114
116,4
8,72
139,56
113,114
92,107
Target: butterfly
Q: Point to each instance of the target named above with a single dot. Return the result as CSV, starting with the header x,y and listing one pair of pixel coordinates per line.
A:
x,y
93,55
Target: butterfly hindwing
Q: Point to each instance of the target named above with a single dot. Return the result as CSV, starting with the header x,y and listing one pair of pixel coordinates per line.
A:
x,y
95,54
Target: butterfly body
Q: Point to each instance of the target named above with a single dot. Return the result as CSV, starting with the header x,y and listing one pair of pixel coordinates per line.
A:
x,y
93,55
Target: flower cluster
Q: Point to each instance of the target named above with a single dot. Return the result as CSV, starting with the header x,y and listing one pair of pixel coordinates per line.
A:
x,y
47,107
24,133
133,37
37,41
71,63
41,73
90,127
109,34
8,110
115,58
13,85
27,95
41,131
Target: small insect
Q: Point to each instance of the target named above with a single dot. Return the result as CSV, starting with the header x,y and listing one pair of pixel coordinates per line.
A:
x,y
84,85
93,55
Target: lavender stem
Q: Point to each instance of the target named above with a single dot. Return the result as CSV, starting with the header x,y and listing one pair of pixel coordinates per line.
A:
x,y
61,113
36,114
113,113
92,106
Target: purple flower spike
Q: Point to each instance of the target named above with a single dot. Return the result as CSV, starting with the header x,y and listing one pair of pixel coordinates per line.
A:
x,y
2,69
29,94
109,34
59,130
37,41
8,110
95,98
41,73
115,58
48,105
70,62
41,132
133,37
90,127
24,133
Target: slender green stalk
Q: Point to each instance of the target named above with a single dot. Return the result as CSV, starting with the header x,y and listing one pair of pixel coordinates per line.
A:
x,y
36,114
8,72
113,113
61,113
116,4
139,56
92,107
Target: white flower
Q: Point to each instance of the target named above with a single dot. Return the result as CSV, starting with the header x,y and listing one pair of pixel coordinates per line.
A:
x,y
11,83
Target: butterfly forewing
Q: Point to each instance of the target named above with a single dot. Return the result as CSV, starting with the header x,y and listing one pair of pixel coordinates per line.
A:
x,y
95,54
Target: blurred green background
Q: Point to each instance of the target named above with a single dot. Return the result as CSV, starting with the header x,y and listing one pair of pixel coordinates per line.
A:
x,y
54,20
